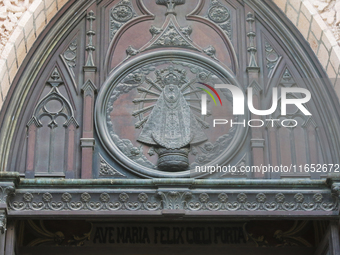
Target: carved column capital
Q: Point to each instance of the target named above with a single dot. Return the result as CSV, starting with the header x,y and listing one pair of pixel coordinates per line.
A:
x,y
336,190
7,188
174,200
333,180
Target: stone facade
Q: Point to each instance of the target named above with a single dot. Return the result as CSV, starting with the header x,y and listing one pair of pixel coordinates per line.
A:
x,y
97,125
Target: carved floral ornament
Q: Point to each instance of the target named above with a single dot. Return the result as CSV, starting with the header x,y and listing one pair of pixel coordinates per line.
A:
x,y
173,200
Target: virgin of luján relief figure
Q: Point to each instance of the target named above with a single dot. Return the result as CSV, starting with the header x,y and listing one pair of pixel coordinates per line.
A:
x,y
171,127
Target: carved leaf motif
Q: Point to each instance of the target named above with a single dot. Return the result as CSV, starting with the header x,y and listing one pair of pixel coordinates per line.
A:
x,y
210,51
272,58
172,38
107,170
70,56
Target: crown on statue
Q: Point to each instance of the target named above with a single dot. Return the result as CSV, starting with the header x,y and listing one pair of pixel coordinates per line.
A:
x,y
172,76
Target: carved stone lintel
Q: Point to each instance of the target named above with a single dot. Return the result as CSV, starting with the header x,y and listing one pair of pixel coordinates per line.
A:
x,y
319,201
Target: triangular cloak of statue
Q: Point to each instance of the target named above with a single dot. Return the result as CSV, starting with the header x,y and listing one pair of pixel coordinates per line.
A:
x,y
171,124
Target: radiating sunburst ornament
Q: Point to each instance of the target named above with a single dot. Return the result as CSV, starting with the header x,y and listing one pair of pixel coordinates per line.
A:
x,y
167,119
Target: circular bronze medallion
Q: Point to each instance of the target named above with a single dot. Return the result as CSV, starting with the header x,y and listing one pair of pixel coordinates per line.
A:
x,y
219,14
122,13
148,114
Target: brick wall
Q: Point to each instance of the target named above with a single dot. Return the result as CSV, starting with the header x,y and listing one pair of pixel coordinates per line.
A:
x,y
316,20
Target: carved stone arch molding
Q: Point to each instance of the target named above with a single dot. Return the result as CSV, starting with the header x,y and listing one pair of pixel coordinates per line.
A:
x,y
171,52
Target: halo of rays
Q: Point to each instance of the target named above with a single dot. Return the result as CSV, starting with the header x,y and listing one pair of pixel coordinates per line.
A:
x,y
150,91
